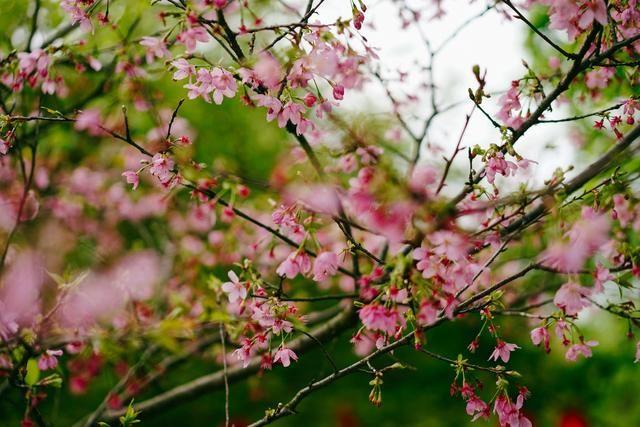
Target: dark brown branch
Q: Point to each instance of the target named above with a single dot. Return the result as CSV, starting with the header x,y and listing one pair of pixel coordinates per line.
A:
x,y
174,115
550,42
231,36
34,25
583,116
28,182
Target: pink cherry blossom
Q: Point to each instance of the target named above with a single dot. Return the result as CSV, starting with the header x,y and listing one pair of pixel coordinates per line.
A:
x,y
216,82
400,296
162,167
5,144
428,262
132,178
572,298
564,257
510,106
95,64
300,74
324,266
20,288
428,313
244,353
540,336
273,105
452,245
284,355
90,121
224,83
37,61
589,233
593,10
280,325
554,62
503,351
561,328
599,78
376,317
296,263
155,48
268,71
601,276
191,36
423,178
8,324
322,199
583,348
310,99
323,108
292,112
477,408
202,218
622,211
49,359
324,60
358,19
338,92
76,12
183,69
285,218
498,165
235,290
563,16
364,343
509,414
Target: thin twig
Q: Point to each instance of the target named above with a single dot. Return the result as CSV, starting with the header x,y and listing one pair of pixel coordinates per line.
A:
x,y
550,42
225,375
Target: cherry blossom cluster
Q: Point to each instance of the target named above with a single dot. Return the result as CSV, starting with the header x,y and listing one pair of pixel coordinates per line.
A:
x,y
268,324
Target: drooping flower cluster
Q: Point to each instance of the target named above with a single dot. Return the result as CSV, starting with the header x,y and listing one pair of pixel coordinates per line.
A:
x,y
266,319
510,107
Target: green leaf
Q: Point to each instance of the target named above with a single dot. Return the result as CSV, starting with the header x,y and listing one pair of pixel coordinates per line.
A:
x,y
130,417
33,372
53,380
